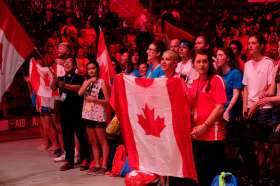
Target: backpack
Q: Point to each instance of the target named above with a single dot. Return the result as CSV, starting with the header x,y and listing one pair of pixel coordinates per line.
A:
x,y
120,165
125,169
118,161
113,127
225,179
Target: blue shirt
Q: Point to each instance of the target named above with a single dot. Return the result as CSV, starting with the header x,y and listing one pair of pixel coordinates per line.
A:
x,y
156,73
233,80
136,72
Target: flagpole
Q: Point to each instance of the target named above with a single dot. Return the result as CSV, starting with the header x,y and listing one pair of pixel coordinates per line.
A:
x,y
39,53
42,58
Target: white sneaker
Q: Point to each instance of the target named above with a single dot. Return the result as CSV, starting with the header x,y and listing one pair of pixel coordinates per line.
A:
x,y
60,158
77,157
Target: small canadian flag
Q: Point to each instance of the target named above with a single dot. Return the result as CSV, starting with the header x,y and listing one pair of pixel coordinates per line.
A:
x,y
41,79
107,71
15,47
155,123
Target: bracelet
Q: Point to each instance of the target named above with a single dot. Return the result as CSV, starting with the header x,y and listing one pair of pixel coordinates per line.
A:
x,y
206,124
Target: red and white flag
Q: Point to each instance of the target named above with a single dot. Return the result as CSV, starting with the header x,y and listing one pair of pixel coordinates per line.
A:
x,y
174,32
155,124
15,46
41,79
107,71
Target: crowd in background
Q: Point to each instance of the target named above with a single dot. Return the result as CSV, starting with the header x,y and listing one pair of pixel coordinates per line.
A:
x,y
231,72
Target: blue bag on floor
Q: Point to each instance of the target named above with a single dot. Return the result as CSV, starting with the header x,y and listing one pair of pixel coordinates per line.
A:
x,y
225,179
126,169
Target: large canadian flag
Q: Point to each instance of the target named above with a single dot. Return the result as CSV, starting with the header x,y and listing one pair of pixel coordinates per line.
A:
x,y
155,123
107,71
41,79
15,46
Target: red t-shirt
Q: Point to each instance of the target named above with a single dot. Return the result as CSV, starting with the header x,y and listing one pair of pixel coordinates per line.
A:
x,y
203,104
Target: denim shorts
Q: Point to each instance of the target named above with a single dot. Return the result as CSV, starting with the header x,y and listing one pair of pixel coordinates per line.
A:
x,y
45,111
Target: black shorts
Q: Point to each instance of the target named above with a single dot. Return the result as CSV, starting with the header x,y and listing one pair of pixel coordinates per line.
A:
x,y
94,124
260,127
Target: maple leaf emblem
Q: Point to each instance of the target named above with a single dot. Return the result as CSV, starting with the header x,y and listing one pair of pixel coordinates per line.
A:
x,y
150,125
47,79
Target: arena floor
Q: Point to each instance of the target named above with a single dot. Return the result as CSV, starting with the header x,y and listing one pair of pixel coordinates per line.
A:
x,y
22,164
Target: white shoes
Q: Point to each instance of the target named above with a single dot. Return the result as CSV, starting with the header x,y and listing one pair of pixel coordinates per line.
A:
x,y
60,158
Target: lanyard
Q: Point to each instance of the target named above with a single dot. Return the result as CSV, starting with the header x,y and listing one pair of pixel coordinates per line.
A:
x,y
152,70
70,80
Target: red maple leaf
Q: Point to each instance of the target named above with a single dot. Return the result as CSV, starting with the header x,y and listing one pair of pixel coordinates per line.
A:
x,y
151,125
47,79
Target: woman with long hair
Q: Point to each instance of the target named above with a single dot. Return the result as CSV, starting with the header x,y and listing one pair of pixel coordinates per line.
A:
x,y
229,70
135,62
207,97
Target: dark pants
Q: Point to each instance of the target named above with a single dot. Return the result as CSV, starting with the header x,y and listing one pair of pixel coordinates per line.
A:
x,y
209,160
257,129
70,126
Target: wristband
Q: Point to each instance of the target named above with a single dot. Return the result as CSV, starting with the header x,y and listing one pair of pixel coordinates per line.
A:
x,y
206,124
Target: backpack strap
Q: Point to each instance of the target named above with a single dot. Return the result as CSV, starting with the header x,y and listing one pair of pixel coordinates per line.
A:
x,y
222,178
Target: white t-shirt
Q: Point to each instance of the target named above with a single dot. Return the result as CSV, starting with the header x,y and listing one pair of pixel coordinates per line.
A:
x,y
187,70
60,72
257,77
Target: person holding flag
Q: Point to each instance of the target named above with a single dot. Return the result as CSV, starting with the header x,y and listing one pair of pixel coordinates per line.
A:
x,y
40,78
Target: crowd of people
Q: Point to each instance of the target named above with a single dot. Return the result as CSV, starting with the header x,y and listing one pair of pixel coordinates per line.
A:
x,y
231,79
